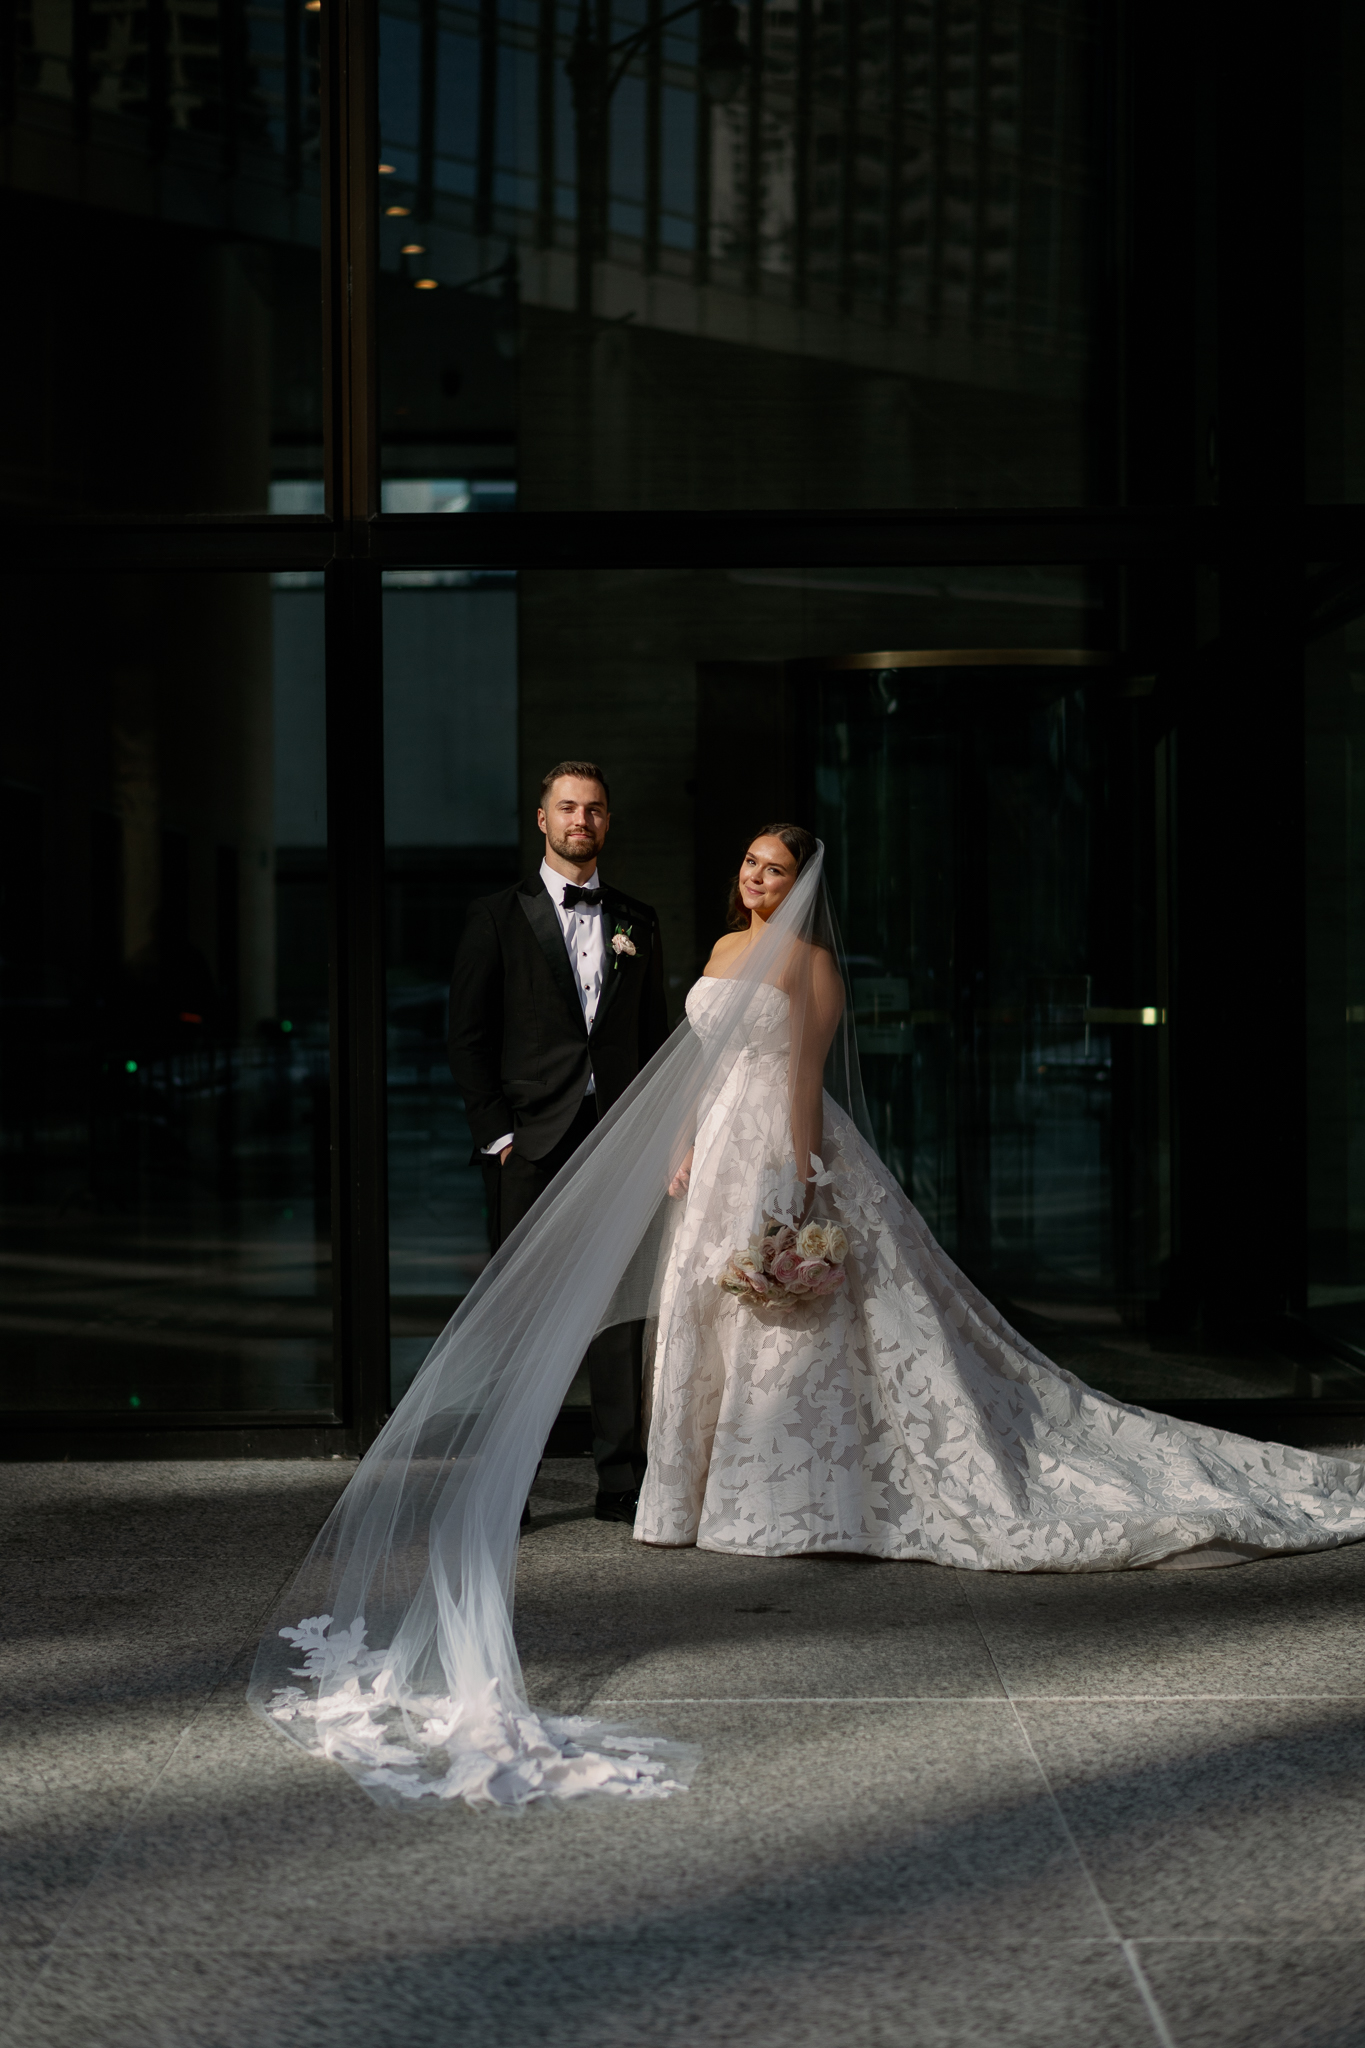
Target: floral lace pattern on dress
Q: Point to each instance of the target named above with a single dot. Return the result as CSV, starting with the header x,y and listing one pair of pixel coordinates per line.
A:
x,y
904,1418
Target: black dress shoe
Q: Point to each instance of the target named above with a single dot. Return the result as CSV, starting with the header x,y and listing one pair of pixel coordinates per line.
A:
x,y
616,1507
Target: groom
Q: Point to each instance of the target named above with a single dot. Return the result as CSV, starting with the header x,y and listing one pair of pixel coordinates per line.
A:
x,y
556,1003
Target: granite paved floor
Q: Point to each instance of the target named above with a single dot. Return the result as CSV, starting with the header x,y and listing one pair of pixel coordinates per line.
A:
x,y
934,1807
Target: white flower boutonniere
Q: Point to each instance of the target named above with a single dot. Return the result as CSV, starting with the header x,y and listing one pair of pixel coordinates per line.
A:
x,y
621,942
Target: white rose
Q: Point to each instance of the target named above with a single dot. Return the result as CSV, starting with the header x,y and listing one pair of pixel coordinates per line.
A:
x,y
813,1241
836,1244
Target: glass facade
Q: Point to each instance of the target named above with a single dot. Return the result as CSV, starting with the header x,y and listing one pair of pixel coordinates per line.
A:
x,y
161,201
164,1084
760,257
916,417
452,831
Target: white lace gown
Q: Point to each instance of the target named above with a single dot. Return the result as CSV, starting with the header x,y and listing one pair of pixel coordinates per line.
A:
x,y
904,1418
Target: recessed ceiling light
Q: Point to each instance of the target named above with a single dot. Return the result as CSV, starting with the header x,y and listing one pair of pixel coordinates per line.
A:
x,y
427,284
414,249
397,212
312,6
386,170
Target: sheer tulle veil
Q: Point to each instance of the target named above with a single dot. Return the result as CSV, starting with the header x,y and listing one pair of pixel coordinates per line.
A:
x,y
392,1652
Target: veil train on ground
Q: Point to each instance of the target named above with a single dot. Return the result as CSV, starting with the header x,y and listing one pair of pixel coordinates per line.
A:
x,y
392,1651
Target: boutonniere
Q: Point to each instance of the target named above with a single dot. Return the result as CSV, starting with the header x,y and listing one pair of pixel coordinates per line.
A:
x,y
622,942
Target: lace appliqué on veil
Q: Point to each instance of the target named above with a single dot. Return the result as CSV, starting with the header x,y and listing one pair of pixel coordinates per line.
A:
x,y
485,1751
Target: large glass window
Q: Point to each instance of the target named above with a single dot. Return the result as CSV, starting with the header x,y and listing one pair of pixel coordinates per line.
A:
x,y
452,832
1334,269
161,204
163,1004
1336,991
757,256
955,263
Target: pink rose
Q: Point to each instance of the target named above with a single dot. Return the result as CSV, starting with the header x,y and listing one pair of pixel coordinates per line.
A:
x,y
786,1265
830,1281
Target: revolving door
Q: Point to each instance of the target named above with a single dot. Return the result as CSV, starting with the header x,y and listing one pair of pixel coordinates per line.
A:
x,y
989,824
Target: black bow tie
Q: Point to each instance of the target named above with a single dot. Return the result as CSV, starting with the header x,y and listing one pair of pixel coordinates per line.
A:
x,y
573,895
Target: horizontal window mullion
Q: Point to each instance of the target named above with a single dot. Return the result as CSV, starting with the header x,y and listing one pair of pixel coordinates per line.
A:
x,y
719,540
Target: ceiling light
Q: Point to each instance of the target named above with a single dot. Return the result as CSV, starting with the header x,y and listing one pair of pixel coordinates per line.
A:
x,y
426,284
414,249
386,170
312,6
397,212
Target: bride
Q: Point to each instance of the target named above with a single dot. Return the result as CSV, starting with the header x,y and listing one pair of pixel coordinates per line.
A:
x,y
901,1416
823,1379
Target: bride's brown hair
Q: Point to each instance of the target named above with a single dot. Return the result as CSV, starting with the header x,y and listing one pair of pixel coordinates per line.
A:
x,y
799,843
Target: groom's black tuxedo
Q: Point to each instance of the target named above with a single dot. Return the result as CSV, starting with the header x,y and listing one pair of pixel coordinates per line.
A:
x,y
523,1055
519,1047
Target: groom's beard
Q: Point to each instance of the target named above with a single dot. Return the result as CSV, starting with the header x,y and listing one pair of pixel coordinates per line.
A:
x,y
577,848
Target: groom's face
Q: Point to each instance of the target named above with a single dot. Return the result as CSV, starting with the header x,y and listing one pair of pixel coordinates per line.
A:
x,y
575,818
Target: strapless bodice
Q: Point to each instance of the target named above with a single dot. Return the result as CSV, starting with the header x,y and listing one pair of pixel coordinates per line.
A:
x,y
766,1012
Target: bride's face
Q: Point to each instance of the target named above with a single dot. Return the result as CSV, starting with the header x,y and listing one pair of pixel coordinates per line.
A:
x,y
766,873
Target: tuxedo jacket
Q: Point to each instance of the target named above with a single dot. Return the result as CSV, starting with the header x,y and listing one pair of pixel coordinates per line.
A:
x,y
519,1047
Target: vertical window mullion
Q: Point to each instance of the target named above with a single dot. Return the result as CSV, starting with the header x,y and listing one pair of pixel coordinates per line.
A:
x,y
355,713
654,134
545,124
981,157
848,154
293,93
486,145
753,182
427,60
892,198
701,261
80,69
937,166
801,148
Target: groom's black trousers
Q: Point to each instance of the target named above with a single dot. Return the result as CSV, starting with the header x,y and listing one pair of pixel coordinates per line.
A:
x,y
614,1357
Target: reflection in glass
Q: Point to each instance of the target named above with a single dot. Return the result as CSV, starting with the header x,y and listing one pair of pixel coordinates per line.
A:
x,y
450,776
163,1017
765,255
1335,754
161,209
964,808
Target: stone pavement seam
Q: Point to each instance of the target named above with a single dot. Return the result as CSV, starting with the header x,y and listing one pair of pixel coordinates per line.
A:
x,y
1128,1949
969,1699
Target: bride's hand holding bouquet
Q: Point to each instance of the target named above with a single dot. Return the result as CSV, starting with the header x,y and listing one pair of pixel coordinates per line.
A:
x,y
785,1267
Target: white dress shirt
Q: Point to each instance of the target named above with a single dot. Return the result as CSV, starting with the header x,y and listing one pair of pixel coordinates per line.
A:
x,y
585,939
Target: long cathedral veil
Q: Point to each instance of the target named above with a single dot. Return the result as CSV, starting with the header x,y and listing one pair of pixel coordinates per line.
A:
x,y
392,1652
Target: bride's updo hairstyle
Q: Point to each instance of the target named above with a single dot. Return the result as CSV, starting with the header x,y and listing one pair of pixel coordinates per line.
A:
x,y
799,843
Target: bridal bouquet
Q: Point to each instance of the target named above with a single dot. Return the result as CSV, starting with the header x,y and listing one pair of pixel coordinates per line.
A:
x,y
785,1268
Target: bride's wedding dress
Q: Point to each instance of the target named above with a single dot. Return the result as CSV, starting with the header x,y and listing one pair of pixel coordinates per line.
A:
x,y
903,1417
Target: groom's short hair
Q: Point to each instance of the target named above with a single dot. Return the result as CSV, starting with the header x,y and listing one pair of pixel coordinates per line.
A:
x,y
587,771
